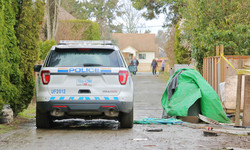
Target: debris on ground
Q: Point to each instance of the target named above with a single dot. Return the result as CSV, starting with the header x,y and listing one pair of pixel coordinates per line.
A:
x,y
154,130
234,148
209,133
140,139
149,145
170,121
208,120
227,129
6,115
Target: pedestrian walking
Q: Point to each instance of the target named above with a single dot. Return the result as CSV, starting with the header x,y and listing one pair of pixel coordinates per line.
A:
x,y
163,64
135,63
154,65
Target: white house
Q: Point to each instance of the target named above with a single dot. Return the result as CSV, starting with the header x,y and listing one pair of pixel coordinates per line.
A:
x,y
143,46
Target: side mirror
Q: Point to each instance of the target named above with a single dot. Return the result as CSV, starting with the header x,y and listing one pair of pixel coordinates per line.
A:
x,y
37,68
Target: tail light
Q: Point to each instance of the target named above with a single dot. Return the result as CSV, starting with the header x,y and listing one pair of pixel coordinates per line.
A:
x,y
123,77
45,74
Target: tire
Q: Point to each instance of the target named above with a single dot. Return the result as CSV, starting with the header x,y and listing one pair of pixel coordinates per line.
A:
x,y
126,119
43,120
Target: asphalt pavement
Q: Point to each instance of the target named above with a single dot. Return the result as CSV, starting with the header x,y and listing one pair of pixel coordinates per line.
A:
x,y
100,134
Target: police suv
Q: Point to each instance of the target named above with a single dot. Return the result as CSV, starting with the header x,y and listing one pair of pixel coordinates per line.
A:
x,y
84,79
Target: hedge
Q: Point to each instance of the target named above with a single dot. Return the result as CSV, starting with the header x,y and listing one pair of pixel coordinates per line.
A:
x,y
45,48
19,50
10,75
78,30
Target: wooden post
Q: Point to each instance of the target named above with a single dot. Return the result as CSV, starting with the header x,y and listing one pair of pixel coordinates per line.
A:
x,y
238,101
221,49
222,65
246,110
217,76
238,97
217,50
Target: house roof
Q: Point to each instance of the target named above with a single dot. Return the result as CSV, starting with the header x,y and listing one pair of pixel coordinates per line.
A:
x,y
141,42
64,15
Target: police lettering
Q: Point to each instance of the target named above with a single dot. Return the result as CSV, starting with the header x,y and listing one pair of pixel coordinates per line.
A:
x,y
84,70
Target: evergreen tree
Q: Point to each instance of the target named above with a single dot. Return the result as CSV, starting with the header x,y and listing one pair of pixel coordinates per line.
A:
x,y
10,76
19,36
31,16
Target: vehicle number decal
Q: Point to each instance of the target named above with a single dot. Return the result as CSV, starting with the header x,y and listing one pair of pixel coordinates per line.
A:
x,y
84,82
58,91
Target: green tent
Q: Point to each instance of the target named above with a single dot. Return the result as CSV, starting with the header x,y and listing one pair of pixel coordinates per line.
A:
x,y
190,88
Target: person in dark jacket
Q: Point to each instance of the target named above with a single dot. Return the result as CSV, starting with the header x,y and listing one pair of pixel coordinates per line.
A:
x,y
135,63
154,65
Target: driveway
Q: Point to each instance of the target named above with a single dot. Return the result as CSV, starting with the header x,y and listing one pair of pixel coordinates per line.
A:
x,y
98,134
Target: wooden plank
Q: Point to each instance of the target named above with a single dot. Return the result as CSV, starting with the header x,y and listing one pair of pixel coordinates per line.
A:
x,y
204,68
217,50
238,101
209,71
221,49
213,73
222,65
216,76
232,111
246,110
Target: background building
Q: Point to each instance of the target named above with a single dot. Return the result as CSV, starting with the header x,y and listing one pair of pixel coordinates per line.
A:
x,y
143,46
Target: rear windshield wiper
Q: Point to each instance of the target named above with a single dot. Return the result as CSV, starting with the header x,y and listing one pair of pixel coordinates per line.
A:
x,y
89,65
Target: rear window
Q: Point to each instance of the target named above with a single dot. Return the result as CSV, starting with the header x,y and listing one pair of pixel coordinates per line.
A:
x,y
84,58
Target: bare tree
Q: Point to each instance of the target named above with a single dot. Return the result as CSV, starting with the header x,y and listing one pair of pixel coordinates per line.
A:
x,y
131,18
71,30
52,20
169,46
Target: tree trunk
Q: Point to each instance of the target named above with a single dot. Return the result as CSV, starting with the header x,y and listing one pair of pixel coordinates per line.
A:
x,y
48,20
57,19
52,9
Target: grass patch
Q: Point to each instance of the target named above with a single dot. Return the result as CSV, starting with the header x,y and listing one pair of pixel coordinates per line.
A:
x,y
164,75
6,128
29,113
22,117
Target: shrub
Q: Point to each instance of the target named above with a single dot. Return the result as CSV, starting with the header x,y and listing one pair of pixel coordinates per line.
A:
x,y
78,30
45,47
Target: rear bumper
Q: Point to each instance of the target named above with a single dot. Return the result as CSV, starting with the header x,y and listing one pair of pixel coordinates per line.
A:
x,y
93,106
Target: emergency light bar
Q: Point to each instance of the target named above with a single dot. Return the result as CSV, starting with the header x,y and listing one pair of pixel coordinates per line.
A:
x,y
81,42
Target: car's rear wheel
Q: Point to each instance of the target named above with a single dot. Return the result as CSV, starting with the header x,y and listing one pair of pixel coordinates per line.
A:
x,y
126,119
43,120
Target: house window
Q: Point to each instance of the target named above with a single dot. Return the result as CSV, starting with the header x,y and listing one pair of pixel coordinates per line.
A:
x,y
142,56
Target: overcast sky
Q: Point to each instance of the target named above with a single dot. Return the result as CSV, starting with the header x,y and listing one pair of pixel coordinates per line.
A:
x,y
153,25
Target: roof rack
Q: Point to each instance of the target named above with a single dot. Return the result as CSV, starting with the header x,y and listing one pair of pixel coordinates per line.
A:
x,y
81,42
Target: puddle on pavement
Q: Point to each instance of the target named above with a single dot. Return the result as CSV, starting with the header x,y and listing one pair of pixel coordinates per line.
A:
x,y
86,124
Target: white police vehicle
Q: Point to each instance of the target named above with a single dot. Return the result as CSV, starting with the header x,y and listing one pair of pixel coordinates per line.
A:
x,y
84,79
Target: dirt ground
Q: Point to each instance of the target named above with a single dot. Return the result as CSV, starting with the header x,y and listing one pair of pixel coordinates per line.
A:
x,y
100,134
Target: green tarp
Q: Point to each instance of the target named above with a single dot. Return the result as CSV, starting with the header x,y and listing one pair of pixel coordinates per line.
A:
x,y
191,87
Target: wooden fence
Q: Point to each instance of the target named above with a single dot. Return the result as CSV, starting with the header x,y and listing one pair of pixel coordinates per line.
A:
x,y
216,73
